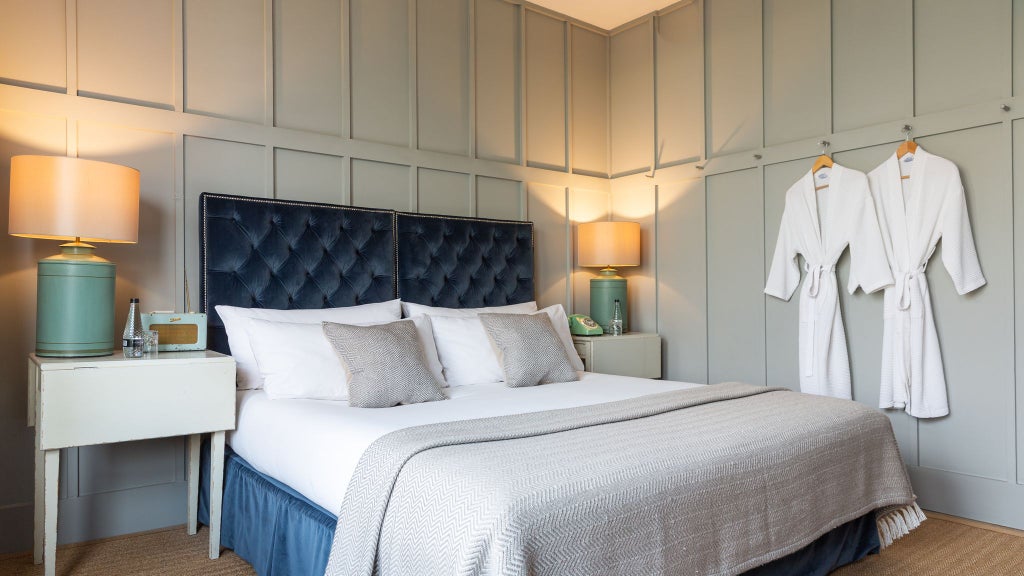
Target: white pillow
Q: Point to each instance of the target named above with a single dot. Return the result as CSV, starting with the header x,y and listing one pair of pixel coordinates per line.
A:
x,y
466,352
247,374
297,360
409,310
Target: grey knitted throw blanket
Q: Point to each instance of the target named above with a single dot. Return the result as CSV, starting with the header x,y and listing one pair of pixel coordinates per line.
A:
x,y
712,480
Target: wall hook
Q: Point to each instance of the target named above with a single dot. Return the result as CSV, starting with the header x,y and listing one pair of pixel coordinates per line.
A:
x,y
1005,107
825,145
757,156
907,129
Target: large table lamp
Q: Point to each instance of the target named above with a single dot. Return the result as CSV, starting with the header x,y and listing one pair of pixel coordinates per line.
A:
x,y
608,245
80,201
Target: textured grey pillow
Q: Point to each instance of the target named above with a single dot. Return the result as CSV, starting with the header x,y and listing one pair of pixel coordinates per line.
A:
x,y
528,349
386,364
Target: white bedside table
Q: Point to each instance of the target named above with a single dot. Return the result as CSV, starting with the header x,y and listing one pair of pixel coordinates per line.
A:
x,y
632,354
83,401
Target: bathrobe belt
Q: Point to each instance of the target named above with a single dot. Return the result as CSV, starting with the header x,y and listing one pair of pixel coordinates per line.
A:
x,y
906,282
814,279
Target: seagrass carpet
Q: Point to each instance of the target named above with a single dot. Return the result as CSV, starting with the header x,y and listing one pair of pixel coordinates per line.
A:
x,y
938,547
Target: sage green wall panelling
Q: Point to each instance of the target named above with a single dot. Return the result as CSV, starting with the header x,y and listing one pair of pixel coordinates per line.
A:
x,y
545,91
735,252
216,166
33,48
152,154
442,75
309,176
224,58
797,37
111,467
871,83
589,102
20,133
638,204
781,322
976,437
1018,279
584,206
632,100
499,198
443,192
497,80
682,279
126,51
680,89
961,53
546,208
732,58
863,316
308,55
379,32
1018,47
381,185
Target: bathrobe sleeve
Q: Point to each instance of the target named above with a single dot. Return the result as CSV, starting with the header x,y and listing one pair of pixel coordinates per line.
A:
x,y
959,255
784,276
869,266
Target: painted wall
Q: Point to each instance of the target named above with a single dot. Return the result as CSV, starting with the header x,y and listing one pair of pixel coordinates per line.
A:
x,y
468,107
731,97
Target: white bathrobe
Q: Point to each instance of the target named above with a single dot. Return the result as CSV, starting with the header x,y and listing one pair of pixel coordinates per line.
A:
x,y
819,225
913,214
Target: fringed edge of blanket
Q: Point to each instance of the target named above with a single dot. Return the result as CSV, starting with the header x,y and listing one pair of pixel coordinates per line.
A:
x,y
895,522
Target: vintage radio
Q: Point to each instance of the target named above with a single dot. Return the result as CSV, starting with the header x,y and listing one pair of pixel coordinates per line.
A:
x,y
178,330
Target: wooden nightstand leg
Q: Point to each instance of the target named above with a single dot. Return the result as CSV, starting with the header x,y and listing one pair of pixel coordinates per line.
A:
x,y
216,490
193,483
51,469
40,490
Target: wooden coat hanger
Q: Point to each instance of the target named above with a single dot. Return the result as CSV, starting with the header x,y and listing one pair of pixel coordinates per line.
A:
x,y
908,147
823,161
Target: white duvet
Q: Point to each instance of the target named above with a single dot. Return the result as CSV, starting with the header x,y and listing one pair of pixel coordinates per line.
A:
x,y
313,446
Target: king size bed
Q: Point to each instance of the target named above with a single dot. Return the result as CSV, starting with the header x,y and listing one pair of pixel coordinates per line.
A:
x,y
596,474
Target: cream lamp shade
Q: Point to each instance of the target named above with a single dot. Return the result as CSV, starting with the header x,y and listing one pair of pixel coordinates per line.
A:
x,y
60,198
608,244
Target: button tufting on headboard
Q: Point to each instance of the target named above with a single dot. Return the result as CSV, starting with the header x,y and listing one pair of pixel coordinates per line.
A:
x,y
265,253
464,262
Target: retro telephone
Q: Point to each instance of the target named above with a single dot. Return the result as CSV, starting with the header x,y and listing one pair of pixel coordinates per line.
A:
x,y
582,325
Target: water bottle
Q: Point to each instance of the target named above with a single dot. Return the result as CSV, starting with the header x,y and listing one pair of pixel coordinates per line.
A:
x,y
617,320
131,340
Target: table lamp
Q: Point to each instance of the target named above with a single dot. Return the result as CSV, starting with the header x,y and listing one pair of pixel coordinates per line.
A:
x,y
59,198
608,245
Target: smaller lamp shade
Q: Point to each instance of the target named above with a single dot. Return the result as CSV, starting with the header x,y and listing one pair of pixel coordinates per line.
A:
x,y
60,198
608,244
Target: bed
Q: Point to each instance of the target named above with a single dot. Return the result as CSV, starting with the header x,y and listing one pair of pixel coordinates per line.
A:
x,y
291,462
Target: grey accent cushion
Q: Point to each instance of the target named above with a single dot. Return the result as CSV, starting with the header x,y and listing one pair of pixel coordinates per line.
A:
x,y
528,349
386,363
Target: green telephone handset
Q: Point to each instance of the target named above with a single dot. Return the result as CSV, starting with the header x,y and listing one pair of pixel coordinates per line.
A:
x,y
582,325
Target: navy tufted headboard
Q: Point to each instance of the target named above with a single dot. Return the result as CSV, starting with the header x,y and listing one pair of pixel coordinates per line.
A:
x,y
260,253
263,253
464,262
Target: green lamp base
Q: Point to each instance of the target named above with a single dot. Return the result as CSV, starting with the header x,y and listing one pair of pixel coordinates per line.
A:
x,y
75,304
605,289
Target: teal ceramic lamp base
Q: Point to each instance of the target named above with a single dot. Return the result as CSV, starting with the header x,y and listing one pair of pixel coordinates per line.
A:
x,y
75,304
605,289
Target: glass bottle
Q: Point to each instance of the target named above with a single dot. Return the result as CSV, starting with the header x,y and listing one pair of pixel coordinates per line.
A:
x,y
617,320
131,340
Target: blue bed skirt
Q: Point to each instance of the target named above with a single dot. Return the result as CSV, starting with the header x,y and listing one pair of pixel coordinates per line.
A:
x,y
281,533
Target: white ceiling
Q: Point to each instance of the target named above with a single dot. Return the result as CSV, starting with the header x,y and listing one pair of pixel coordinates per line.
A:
x,y
606,14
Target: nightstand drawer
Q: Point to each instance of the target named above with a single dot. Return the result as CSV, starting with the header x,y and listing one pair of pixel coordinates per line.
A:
x,y
632,354
87,405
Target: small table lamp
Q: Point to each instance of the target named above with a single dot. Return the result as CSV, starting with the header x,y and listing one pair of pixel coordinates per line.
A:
x,y
606,245
59,198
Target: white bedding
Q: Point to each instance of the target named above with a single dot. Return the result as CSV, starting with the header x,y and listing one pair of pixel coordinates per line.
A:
x,y
313,446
